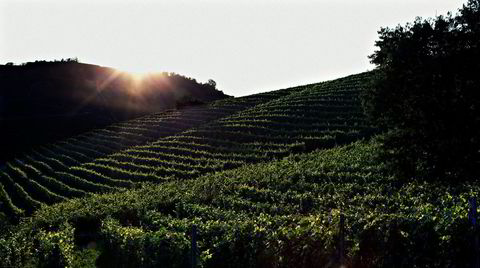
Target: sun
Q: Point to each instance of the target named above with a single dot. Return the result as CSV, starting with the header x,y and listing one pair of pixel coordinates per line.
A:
x,y
137,77
138,80
136,69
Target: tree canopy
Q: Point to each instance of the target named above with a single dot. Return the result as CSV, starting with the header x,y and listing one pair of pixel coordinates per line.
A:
x,y
425,94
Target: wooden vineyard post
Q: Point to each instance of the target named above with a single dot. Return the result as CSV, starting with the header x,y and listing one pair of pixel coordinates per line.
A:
x,y
341,246
194,246
472,216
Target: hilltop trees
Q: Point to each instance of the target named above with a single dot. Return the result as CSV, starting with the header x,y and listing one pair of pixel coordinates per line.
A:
x,y
212,83
426,95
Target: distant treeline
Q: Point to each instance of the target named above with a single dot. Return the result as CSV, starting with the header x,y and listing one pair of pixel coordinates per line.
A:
x,y
37,62
43,101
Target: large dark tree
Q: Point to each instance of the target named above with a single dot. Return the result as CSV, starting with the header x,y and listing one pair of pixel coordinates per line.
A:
x,y
425,94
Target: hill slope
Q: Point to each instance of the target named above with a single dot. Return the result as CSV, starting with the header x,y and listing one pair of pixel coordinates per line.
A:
x,y
56,100
187,143
284,213
256,178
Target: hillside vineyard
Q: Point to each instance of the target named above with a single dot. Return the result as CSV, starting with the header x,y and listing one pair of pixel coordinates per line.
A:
x,y
186,143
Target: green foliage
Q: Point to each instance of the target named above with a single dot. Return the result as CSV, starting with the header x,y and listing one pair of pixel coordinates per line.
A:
x,y
425,93
56,248
283,213
128,246
85,258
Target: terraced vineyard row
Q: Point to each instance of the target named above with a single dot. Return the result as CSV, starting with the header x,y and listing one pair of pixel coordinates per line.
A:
x,y
59,171
122,156
222,145
316,117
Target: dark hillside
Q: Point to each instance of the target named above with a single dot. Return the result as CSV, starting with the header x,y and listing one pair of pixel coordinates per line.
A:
x,y
56,100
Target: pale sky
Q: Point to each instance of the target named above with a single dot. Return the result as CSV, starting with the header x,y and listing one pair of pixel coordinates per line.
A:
x,y
245,46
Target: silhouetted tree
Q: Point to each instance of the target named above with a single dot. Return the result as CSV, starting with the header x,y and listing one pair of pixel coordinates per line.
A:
x,y
212,83
425,94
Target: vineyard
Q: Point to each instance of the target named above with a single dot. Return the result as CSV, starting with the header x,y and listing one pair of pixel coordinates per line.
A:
x,y
286,178
186,143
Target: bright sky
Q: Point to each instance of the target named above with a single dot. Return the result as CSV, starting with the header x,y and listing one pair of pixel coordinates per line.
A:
x,y
245,46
